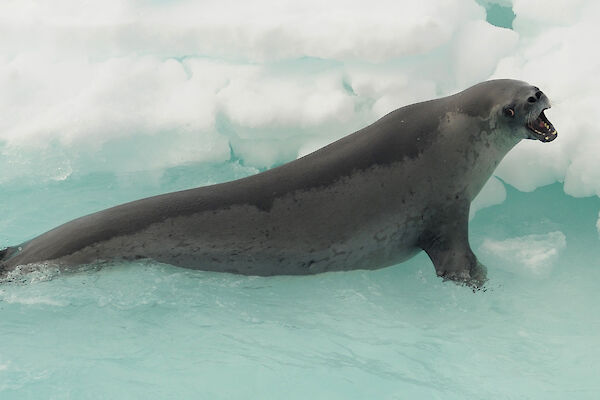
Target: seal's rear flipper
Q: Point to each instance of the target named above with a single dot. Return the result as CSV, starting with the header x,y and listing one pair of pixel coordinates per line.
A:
x,y
3,253
6,265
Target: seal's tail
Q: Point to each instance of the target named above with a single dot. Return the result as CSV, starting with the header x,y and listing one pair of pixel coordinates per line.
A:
x,y
3,254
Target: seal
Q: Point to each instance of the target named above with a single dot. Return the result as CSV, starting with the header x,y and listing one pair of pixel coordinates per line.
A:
x,y
369,200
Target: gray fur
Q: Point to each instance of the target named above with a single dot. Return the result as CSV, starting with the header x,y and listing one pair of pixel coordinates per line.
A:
x,y
370,200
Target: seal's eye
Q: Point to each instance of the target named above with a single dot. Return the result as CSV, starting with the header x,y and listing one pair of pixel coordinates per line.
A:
x,y
509,112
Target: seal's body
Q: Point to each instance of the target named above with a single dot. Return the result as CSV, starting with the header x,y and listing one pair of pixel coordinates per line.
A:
x,y
367,201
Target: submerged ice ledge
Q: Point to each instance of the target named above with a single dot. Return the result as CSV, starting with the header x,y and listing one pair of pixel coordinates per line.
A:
x,y
537,253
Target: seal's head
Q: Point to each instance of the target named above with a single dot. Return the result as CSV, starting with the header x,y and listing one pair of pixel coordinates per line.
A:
x,y
526,114
513,104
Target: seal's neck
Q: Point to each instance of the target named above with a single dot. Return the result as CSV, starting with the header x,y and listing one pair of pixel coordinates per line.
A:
x,y
492,147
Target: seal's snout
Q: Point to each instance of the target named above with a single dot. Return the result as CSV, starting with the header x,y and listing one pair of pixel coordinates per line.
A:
x,y
538,95
539,126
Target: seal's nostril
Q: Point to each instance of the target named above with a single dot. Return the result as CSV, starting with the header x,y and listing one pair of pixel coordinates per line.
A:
x,y
538,94
532,99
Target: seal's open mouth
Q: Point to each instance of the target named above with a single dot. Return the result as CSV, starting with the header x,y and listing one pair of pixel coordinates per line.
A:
x,y
542,129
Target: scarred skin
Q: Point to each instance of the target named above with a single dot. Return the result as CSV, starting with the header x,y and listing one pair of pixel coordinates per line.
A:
x,y
369,200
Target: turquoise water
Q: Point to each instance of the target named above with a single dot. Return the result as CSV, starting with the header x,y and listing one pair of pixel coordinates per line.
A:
x,y
152,331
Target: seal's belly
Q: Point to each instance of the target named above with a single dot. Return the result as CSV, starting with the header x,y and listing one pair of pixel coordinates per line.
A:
x,y
246,241
274,259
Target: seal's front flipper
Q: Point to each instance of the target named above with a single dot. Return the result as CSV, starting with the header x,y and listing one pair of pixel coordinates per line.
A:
x,y
448,247
457,262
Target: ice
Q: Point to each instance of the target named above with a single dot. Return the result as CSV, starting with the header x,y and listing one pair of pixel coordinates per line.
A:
x,y
194,82
554,54
535,253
